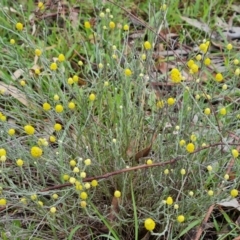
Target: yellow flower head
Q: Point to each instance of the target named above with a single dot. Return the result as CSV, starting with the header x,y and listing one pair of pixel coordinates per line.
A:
x,y
87,25
83,195
117,194
38,52
234,193
207,61
46,106
112,25
190,147
3,202
169,201
94,183
61,58
53,66
180,218
2,152
147,45
149,224
125,27
92,97
219,77
19,26
175,75
36,152
19,162
59,108
128,72
29,129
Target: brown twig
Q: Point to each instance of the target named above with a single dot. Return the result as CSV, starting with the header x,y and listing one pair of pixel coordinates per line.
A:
x,y
110,174
107,175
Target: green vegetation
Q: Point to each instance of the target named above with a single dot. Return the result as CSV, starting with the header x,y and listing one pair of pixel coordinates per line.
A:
x,y
104,135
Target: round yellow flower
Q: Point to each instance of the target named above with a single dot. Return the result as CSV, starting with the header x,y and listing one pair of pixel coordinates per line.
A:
x,y
55,196
117,194
199,57
36,152
83,204
38,52
53,66
87,25
94,183
53,210
166,171
229,46
37,71
83,174
29,129
207,61
223,111
169,201
11,131
71,105
175,75
59,108
190,63
209,168
66,177
149,224
182,142
125,27
128,72
112,25
46,106
180,218
194,68
235,153
160,104
203,47
61,58
147,45
83,195
207,111
2,152
92,97
193,137
3,202
234,193
171,101
70,81
12,41
41,5
190,147
19,162
210,192
33,197
19,26
87,162
149,162
52,139
183,171
58,127
73,163
219,77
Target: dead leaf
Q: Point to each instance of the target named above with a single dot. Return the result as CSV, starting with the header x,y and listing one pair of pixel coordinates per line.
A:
x,y
197,24
142,153
230,203
14,92
17,74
